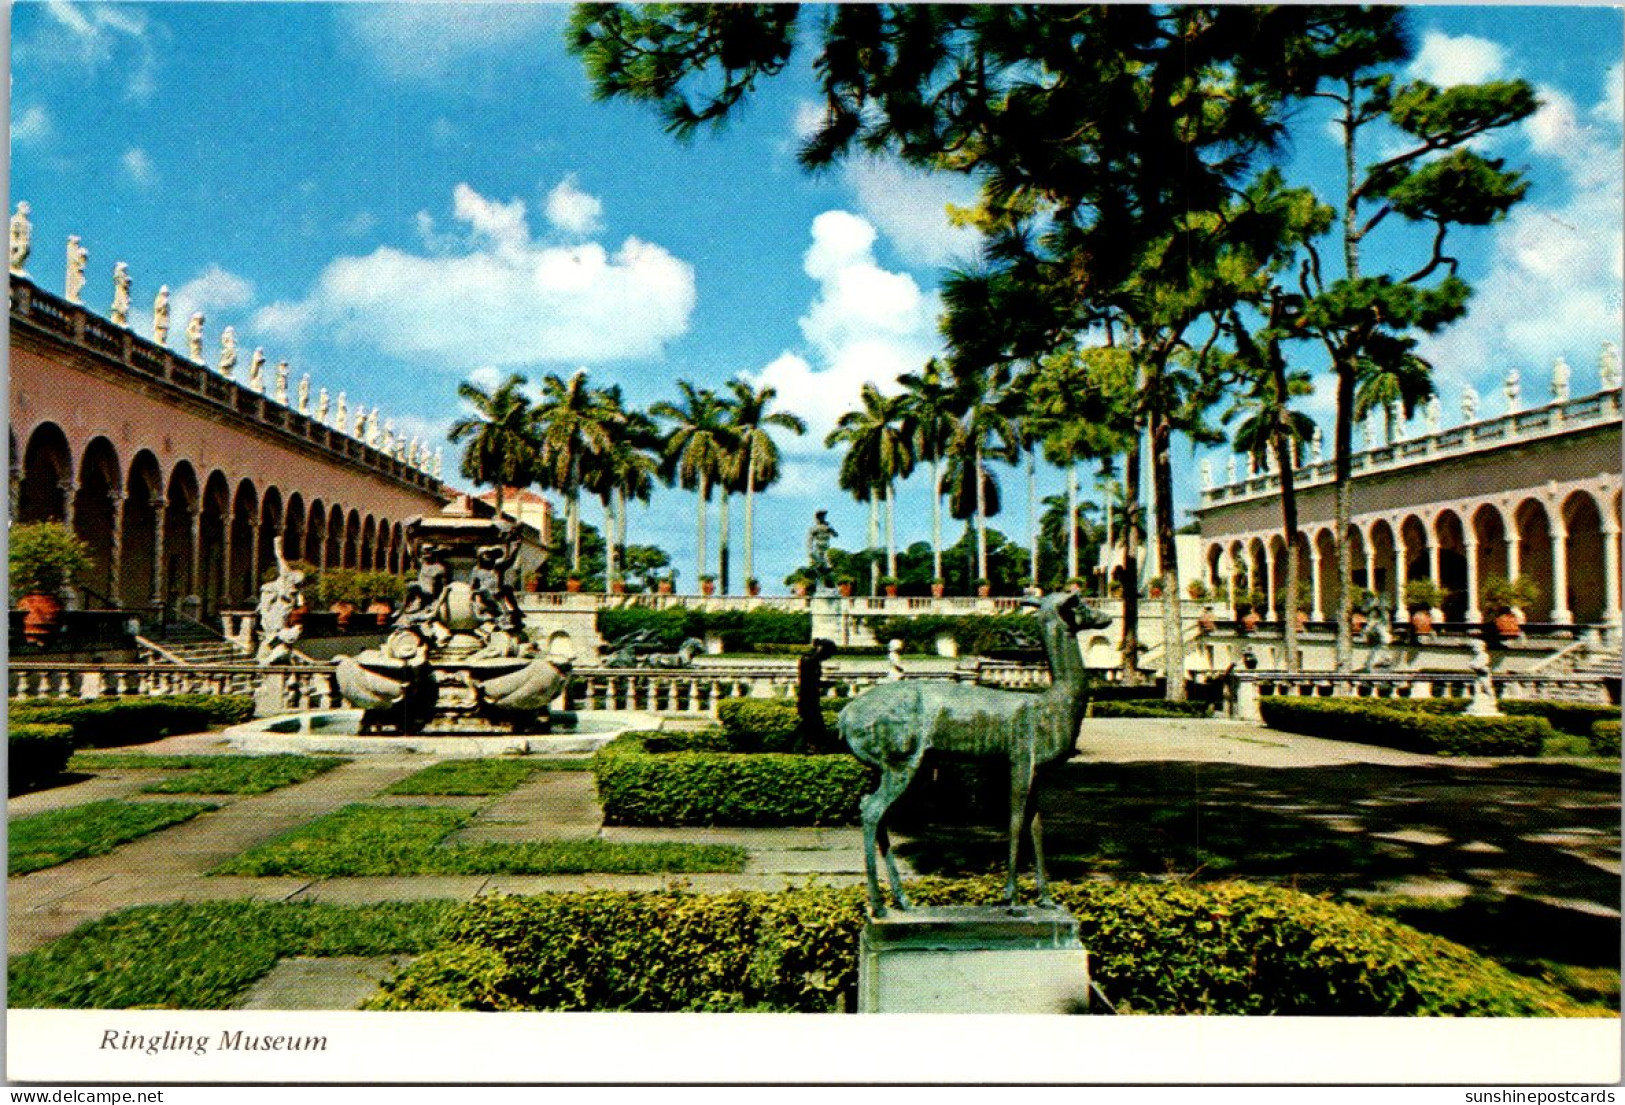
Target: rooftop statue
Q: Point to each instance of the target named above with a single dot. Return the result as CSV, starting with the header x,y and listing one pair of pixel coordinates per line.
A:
x,y
892,726
22,233
121,294
160,315
78,255
819,538
281,395
1434,413
1230,469
1513,388
360,423
372,428
1316,445
1207,476
340,414
256,371
1469,404
322,404
1608,367
303,392
194,337
1560,381
228,352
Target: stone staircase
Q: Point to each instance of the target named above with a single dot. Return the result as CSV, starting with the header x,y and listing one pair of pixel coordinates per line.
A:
x,y
188,643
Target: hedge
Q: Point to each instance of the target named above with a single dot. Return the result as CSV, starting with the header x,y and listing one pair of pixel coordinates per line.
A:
x,y
107,722
768,724
1605,738
1412,728
1566,717
1149,709
973,634
1157,948
37,753
639,787
740,630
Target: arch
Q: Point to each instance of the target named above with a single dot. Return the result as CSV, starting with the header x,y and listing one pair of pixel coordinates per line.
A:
x,y
214,513
1532,529
273,519
245,527
96,519
295,518
181,565
369,543
1582,519
1385,577
352,539
315,533
1415,543
1450,538
139,577
1490,553
560,646
397,555
47,476
1326,554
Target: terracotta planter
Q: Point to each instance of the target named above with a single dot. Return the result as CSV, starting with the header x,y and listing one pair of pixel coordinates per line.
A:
x,y
1206,623
708,587
799,590
1249,621
985,590
1357,621
345,611
42,614
1507,624
1303,619
381,611
533,585
1421,622
573,586
753,589
617,586
938,590
891,590
845,589
663,587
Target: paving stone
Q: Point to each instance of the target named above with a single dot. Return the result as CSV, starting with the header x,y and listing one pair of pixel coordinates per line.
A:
x,y
338,982
1415,836
391,888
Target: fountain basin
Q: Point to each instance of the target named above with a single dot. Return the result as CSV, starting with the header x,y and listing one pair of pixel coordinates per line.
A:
x,y
338,731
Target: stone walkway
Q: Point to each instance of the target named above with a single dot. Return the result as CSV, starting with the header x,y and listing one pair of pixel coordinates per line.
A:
x,y
1260,771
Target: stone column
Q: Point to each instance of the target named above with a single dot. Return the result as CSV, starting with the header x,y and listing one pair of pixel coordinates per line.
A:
x,y
1315,610
1402,568
159,569
1473,612
1610,575
116,548
1512,555
70,491
230,523
251,596
1370,568
1560,575
1269,584
1230,580
194,533
1433,557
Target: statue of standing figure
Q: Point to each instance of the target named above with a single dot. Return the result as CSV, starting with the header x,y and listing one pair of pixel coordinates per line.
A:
x,y
78,255
1434,412
493,599
1316,445
160,315
424,601
819,538
360,422
1608,367
121,294
281,394
1483,703
1513,389
228,352
1560,381
281,611
372,428
256,371
22,232
194,337
815,736
322,403
303,393
894,660
340,415
1469,404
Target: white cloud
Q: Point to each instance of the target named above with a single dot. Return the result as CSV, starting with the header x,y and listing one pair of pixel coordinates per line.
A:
x,y
138,167
425,42
496,290
1611,108
808,117
360,224
1444,60
1556,273
574,211
210,291
95,38
909,207
32,124
865,325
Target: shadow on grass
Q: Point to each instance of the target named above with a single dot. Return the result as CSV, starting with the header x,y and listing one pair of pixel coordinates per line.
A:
x,y
1519,861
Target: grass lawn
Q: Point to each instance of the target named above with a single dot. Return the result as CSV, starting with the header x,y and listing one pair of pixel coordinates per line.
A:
x,y
211,774
57,836
204,955
481,776
404,840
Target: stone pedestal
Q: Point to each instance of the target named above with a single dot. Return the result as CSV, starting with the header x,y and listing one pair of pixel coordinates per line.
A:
x,y
270,696
827,619
973,959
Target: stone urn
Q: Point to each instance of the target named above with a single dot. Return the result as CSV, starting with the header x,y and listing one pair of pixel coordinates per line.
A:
x,y
42,613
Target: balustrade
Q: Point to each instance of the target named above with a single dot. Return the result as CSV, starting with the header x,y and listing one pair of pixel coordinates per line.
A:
x,y
1244,689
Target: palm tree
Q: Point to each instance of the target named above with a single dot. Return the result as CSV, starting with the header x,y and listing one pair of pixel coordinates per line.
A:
x,y
624,470
928,419
879,453
984,433
695,450
573,428
750,419
1401,382
501,446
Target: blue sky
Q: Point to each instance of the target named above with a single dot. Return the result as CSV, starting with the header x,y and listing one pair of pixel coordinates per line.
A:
x,y
396,197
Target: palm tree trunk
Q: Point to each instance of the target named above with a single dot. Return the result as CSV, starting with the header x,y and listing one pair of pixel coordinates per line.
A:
x,y
874,542
574,493
981,517
1071,522
1032,514
699,558
750,522
620,520
1289,504
891,533
936,519
609,539
722,543
1131,563
1173,626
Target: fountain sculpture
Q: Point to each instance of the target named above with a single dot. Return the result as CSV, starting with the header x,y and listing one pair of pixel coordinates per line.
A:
x,y
458,657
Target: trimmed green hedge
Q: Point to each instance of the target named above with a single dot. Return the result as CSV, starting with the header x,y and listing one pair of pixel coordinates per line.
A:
x,y
740,630
1605,737
1154,948
768,724
637,787
1414,727
1566,717
37,753
108,722
1135,708
973,634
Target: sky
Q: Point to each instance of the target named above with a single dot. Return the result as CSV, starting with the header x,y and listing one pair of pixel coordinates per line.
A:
x,y
395,198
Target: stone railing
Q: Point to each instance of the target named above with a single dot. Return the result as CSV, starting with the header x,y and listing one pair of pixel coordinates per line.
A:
x,y
1598,409
855,605
226,400
1244,688
304,687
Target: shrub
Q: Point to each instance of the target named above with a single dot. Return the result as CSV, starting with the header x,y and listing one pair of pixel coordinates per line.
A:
x,y
1148,709
768,724
711,788
37,753
1412,727
44,558
1566,717
106,722
973,634
740,630
1605,738
1154,948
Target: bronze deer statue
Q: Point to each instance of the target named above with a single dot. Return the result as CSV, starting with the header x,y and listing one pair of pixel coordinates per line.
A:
x,y
890,728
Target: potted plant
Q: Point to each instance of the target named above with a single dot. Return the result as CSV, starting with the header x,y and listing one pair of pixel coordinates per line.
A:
x,y
666,583
338,590
1300,609
939,587
753,586
984,588
1359,599
1253,603
844,585
1422,597
45,558
1198,591
889,584
533,581
708,585
572,584
617,584
1503,598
